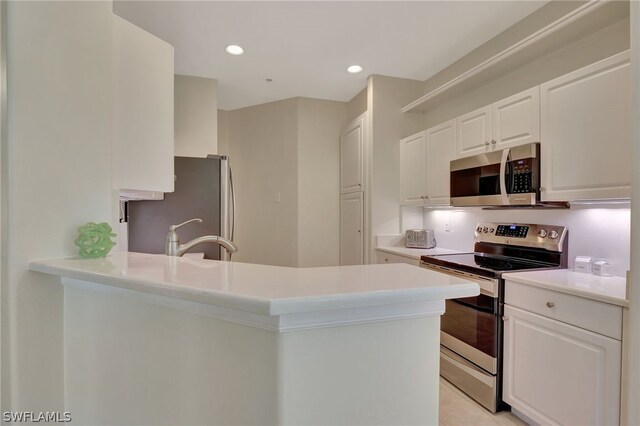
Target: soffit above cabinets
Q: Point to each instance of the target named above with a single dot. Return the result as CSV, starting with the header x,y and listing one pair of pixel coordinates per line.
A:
x,y
584,20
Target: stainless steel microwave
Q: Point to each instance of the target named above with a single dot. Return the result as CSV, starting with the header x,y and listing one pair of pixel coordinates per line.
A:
x,y
507,177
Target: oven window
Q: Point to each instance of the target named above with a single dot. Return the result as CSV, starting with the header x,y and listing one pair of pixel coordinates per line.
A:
x,y
474,321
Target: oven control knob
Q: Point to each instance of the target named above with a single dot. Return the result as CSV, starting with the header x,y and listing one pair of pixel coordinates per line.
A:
x,y
485,229
553,234
491,230
542,233
479,229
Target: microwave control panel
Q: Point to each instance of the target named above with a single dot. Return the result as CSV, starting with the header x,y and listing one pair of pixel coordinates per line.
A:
x,y
522,173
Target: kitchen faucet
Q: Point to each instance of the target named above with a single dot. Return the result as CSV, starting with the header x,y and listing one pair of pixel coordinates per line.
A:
x,y
174,248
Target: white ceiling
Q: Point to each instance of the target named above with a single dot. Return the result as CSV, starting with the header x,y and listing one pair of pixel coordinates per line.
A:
x,y
306,46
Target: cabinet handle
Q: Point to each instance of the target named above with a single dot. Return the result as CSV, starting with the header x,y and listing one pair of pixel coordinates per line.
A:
x,y
542,189
359,230
550,305
386,260
505,318
493,142
486,143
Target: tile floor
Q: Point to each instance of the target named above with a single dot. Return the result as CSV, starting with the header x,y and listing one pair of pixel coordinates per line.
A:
x,y
457,409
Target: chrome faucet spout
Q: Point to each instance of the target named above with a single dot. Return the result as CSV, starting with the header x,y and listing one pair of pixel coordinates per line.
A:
x,y
174,248
228,245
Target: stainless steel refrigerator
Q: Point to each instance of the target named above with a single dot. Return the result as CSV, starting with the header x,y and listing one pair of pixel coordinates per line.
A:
x,y
203,189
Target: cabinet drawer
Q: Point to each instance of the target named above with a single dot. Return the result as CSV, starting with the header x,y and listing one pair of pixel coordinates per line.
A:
x,y
591,315
383,257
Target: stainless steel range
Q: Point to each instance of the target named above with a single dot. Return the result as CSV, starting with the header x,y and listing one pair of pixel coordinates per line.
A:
x,y
471,328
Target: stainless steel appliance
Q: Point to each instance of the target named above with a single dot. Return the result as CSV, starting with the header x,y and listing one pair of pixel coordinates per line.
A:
x,y
420,238
500,178
471,334
203,189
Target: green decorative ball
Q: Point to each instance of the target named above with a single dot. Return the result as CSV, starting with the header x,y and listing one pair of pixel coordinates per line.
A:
x,y
94,240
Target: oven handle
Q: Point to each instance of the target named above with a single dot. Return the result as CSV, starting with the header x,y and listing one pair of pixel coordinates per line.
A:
x,y
504,197
488,286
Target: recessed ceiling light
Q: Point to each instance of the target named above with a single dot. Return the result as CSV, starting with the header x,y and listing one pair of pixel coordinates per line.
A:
x,y
354,69
233,49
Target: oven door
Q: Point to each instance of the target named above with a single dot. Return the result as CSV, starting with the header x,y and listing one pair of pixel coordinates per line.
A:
x,y
470,339
469,327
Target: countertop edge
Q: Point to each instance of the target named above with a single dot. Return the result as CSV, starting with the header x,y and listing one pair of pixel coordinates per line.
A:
x,y
522,278
404,251
268,307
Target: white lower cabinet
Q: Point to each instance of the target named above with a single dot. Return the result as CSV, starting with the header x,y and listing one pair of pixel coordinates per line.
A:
x,y
384,257
351,229
557,373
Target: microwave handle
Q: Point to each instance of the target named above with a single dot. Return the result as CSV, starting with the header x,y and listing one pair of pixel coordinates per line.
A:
x,y
504,197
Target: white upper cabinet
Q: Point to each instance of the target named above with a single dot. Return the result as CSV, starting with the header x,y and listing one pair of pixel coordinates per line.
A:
x,y
413,172
503,124
516,119
424,165
440,142
142,109
352,156
587,132
474,132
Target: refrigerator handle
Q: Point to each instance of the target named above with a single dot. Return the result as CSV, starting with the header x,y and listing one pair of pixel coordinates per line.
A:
x,y
227,205
233,205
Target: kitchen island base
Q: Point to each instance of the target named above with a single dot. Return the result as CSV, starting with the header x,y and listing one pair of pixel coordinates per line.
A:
x,y
132,359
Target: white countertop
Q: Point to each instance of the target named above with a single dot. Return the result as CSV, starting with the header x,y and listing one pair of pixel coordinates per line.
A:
x,y
261,289
605,289
416,253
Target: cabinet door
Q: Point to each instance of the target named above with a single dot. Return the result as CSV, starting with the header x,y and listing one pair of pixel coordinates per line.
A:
x,y
440,141
586,128
142,109
474,132
516,119
555,373
413,178
351,156
351,232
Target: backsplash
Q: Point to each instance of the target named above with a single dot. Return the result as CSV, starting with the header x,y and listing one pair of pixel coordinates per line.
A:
x,y
596,232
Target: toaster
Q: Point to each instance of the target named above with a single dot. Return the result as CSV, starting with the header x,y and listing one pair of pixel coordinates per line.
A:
x,y
420,238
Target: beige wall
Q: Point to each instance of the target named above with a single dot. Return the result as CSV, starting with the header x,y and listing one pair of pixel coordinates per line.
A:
x,y
386,96
59,83
319,124
196,116
288,149
263,154
357,105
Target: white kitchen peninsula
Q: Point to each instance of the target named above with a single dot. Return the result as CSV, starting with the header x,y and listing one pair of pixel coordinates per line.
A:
x,y
152,339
